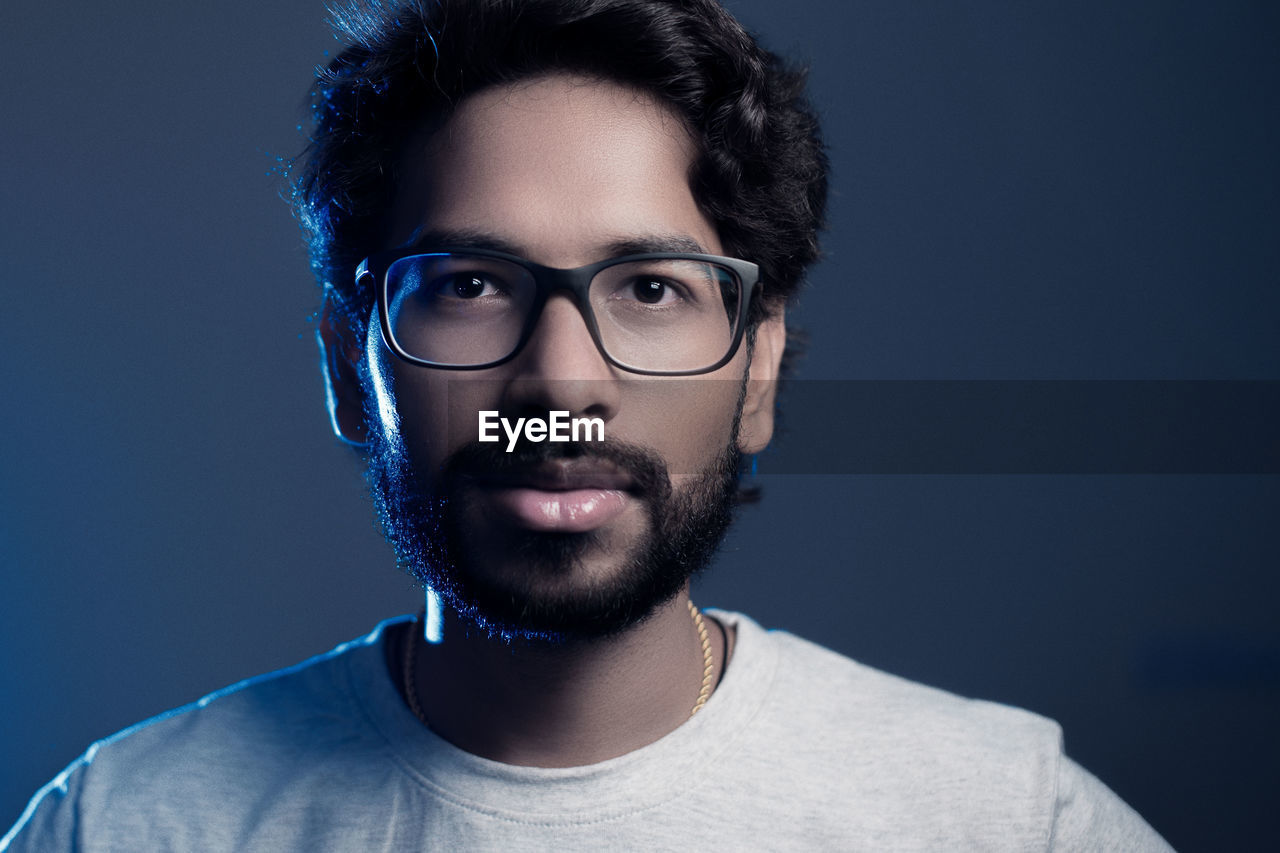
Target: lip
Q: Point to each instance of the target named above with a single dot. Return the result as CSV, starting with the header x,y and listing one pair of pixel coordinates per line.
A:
x,y
559,510
559,496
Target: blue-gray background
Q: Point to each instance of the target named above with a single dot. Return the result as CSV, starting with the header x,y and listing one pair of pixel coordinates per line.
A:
x,y
1083,190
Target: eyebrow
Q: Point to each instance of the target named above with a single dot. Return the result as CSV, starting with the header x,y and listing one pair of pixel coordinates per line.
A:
x,y
639,245
635,244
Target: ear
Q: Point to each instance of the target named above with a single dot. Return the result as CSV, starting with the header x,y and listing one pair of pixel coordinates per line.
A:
x,y
340,351
756,427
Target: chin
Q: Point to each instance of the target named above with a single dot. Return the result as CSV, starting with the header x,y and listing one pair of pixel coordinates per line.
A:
x,y
555,586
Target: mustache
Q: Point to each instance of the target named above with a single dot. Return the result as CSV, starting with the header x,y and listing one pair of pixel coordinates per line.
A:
x,y
475,460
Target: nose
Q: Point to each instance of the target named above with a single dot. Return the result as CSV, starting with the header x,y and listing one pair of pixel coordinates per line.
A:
x,y
561,369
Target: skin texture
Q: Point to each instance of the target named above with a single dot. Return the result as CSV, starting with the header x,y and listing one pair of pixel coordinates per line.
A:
x,y
562,170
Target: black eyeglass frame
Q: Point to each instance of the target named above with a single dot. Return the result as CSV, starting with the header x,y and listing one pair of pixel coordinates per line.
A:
x,y
549,280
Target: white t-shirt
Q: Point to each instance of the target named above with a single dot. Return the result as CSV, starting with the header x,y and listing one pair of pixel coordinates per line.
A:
x,y
799,748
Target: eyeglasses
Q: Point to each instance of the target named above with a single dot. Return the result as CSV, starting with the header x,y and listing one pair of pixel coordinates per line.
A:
x,y
661,313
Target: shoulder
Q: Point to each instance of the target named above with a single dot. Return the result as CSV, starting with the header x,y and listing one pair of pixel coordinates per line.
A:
x,y
882,754
872,747
267,712
863,707
223,748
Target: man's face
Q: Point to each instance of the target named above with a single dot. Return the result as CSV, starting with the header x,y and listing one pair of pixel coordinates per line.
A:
x,y
553,539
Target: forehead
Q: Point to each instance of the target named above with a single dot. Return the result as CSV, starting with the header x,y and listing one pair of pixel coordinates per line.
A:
x,y
560,166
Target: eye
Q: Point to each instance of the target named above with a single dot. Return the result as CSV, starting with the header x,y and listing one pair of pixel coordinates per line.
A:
x,y
651,290
465,285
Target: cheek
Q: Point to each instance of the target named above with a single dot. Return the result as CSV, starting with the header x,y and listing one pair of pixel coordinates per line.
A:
x,y
435,411
688,421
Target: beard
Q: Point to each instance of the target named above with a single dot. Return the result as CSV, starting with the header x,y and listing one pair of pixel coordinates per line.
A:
x,y
546,591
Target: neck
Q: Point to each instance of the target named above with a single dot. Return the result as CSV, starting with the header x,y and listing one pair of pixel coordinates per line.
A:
x,y
568,704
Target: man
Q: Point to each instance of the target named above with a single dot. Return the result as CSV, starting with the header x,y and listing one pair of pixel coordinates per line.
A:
x,y
526,214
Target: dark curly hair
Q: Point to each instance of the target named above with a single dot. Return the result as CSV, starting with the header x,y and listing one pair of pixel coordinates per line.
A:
x,y
760,174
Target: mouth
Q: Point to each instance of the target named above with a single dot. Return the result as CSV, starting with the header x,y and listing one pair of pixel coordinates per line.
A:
x,y
559,496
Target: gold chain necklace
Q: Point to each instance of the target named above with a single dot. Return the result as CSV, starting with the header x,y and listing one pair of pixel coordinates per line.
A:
x,y
410,657
708,665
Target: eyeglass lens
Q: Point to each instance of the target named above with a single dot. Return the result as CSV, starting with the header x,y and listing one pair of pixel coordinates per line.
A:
x,y
456,309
